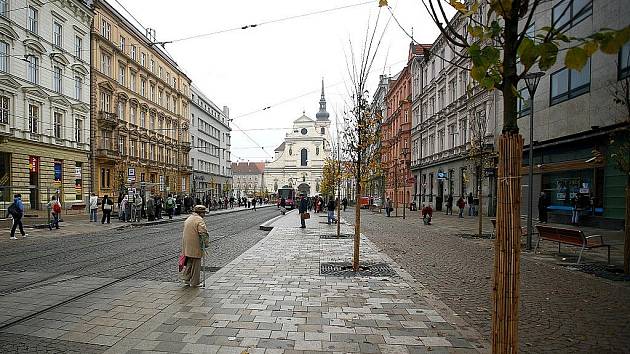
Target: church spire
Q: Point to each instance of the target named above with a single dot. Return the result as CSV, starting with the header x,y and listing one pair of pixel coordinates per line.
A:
x,y
322,114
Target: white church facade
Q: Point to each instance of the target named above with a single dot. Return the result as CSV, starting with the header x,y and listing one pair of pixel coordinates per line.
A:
x,y
299,160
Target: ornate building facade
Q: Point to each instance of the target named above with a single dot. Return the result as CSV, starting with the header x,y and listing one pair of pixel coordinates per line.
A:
x,y
44,102
140,100
299,160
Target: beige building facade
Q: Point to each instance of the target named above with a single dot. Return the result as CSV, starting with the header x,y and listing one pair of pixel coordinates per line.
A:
x,y
141,101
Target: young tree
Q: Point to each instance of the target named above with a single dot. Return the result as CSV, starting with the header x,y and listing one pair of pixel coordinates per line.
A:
x,y
481,156
494,45
360,123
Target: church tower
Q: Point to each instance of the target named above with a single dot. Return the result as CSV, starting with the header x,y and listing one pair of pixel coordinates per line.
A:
x,y
322,115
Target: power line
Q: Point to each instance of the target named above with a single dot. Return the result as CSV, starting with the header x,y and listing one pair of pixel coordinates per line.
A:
x,y
244,27
26,7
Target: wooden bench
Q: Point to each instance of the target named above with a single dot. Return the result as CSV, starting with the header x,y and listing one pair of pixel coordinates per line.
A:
x,y
572,237
494,229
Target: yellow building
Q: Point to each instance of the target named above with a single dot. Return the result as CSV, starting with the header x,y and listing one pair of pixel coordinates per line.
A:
x,y
140,110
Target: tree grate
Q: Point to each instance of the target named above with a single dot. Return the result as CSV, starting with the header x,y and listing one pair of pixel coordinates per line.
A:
x,y
344,269
601,271
334,236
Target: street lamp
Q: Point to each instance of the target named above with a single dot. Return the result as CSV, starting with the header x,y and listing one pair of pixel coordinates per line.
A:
x,y
531,80
405,153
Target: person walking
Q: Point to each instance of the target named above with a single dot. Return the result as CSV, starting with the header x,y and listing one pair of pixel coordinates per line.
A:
x,y
93,207
195,241
575,209
470,204
123,208
16,211
461,204
303,209
427,214
331,210
54,208
449,205
107,205
170,206
158,207
388,207
150,209
138,207
254,203
542,208
344,202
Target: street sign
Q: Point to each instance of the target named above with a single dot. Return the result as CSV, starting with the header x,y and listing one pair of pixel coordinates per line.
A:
x,y
442,175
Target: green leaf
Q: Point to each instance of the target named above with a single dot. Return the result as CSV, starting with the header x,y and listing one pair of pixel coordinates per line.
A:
x,y
590,47
477,73
527,52
576,58
548,55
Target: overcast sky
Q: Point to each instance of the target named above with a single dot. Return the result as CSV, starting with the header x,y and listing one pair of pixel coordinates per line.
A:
x,y
250,69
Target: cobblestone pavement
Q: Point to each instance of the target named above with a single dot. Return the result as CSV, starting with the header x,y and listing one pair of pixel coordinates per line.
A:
x,y
562,311
38,272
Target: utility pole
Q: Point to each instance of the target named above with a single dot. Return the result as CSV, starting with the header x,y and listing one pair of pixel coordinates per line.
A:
x,y
396,187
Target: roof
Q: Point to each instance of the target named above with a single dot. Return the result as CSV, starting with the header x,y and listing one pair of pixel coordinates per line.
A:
x,y
303,119
248,168
281,147
419,49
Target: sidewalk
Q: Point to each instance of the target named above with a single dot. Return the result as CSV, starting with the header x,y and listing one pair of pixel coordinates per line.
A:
x,y
73,224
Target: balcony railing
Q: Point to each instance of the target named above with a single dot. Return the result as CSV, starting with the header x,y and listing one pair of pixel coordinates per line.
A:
x,y
107,120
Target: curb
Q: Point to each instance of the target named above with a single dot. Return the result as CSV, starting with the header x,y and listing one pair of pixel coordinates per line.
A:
x,y
266,226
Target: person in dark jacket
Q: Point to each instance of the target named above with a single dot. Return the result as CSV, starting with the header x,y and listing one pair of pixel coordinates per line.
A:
x,y
449,205
331,210
461,204
542,207
303,209
107,206
345,203
427,214
470,204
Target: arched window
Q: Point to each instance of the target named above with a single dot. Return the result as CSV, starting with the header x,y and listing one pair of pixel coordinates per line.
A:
x,y
4,55
303,157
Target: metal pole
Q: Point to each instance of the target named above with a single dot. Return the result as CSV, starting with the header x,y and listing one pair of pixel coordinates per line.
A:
x,y
404,189
530,202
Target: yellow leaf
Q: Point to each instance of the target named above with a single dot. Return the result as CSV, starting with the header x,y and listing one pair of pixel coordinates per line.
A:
x,y
382,3
458,6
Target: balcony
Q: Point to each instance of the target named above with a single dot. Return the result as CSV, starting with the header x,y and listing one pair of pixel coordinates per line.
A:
x,y
186,146
107,120
107,153
405,127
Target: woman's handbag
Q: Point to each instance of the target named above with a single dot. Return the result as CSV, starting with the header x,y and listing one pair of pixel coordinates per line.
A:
x,y
306,216
181,262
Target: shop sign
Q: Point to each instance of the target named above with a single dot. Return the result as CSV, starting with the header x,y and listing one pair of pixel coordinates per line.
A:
x,y
77,172
33,164
442,175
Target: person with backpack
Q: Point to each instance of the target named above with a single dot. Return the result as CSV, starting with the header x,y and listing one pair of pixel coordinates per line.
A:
x,y
54,207
16,210
107,206
170,206
93,208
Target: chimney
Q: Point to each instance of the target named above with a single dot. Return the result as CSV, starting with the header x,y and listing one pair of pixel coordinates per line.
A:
x,y
226,112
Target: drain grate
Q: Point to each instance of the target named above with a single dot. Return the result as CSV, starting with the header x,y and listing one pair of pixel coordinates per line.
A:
x,y
473,236
334,236
601,271
344,269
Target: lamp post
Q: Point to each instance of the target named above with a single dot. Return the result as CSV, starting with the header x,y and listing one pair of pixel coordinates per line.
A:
x,y
531,80
405,152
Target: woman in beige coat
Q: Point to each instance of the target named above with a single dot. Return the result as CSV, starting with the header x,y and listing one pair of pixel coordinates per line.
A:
x,y
195,241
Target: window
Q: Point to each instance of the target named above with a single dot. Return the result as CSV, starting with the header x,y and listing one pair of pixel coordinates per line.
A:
x,y
106,100
143,59
143,87
463,131
523,105
132,114
4,7
624,62
78,130
121,45
32,19
78,89
57,34
569,13
4,110
33,68
121,145
441,140
161,72
57,123
57,79
143,150
132,81
567,84
143,118
133,52
4,56
153,66
106,29
121,74
33,118
132,148
78,47
303,157
121,110
105,177
106,64
151,121
153,93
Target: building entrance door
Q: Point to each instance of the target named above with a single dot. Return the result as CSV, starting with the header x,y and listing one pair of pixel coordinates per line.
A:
x,y
305,189
33,164
439,200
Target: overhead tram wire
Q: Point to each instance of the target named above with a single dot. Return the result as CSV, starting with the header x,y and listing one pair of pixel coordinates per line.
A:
x,y
244,27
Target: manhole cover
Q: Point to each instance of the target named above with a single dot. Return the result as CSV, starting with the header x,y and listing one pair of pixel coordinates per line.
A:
x,y
344,269
210,269
600,270
334,236
471,236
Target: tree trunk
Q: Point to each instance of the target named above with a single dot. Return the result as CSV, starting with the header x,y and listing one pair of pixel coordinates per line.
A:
x,y
357,227
480,208
626,243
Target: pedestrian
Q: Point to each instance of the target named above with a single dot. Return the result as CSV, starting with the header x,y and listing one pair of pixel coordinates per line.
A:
x,y
470,204
345,203
449,205
331,210
16,211
170,206
195,241
542,208
138,207
158,207
427,214
93,207
388,207
54,208
303,209
107,204
150,204
575,209
461,204
254,203
123,209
